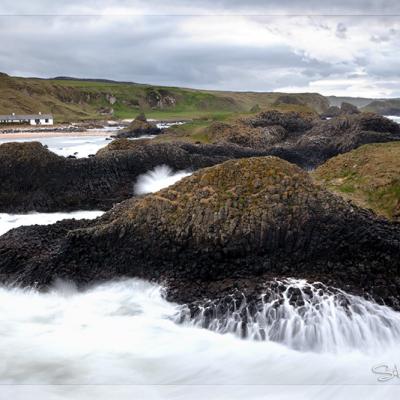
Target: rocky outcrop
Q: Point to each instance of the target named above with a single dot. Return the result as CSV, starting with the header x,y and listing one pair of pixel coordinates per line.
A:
x,y
304,139
139,127
32,178
345,109
369,176
225,229
35,179
348,108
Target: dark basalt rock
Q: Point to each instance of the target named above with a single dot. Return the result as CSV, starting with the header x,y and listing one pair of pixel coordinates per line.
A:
x,y
33,178
139,127
304,139
225,229
345,109
348,108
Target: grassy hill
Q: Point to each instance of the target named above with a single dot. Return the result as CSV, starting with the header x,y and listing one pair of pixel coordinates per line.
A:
x,y
77,99
369,176
356,101
384,107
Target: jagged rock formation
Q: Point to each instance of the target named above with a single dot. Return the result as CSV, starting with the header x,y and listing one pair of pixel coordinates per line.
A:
x,y
304,139
139,127
225,229
345,109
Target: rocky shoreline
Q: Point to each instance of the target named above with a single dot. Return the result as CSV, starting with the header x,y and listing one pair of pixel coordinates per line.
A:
x,y
225,231
35,179
243,220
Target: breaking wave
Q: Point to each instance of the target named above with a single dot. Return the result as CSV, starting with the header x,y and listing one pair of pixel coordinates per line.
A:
x,y
160,177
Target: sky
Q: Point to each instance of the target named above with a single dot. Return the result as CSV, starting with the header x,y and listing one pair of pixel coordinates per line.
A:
x,y
344,48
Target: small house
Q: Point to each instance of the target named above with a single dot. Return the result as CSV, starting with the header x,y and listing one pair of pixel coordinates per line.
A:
x,y
34,119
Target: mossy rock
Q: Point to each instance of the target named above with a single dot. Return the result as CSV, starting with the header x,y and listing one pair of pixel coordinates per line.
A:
x,y
369,176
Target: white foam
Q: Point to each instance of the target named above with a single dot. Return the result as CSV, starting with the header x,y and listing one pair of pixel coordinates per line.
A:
x,y
11,221
394,118
160,177
123,333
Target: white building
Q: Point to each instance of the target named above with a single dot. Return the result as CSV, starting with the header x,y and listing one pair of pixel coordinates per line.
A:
x,y
35,119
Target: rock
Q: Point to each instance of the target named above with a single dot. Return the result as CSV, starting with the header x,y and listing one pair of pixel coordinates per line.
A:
x,y
139,127
332,111
35,179
345,109
369,176
304,139
235,225
348,108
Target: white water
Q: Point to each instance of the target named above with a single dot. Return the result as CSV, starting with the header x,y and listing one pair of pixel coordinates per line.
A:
x,y
325,321
81,146
68,145
394,118
11,221
160,177
123,334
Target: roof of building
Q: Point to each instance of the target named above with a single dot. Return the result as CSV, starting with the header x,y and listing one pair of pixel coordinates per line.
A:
x,y
18,117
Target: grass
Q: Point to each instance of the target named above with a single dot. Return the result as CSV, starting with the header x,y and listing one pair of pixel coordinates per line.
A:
x,y
369,176
75,100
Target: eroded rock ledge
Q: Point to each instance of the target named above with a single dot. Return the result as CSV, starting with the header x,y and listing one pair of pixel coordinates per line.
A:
x,y
225,229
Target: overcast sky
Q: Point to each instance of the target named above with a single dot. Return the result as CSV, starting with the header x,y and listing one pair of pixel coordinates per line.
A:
x,y
348,47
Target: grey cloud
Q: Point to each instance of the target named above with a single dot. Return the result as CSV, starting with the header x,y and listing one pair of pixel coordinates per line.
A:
x,y
153,49
341,30
316,7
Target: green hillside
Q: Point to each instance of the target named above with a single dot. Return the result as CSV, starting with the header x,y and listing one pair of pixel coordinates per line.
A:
x,y
384,107
74,100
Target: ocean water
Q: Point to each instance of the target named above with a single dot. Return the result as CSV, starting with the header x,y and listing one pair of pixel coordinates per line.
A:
x,y
394,118
11,221
78,146
121,340
81,146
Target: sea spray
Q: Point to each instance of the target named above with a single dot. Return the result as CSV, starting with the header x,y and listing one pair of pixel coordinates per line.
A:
x,y
123,333
11,221
160,177
304,316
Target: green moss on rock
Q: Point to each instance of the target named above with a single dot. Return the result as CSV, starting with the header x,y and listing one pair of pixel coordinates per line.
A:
x,y
369,176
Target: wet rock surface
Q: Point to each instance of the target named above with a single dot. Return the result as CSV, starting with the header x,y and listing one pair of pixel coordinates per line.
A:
x,y
224,231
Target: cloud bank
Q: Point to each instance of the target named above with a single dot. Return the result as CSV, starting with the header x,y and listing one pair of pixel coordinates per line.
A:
x,y
344,48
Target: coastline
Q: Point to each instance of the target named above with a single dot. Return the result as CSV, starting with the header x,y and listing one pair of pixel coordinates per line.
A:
x,y
60,133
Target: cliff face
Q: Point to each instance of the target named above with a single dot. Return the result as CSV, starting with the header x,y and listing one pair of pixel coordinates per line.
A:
x,y
231,226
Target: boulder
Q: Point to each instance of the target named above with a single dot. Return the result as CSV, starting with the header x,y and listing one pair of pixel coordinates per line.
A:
x,y
348,108
139,127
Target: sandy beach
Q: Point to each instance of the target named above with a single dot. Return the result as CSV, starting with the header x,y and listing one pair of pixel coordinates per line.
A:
x,y
46,134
